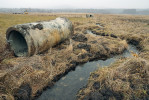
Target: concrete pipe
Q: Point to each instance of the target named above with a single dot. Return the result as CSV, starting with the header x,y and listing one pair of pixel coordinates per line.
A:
x,y
34,38
89,15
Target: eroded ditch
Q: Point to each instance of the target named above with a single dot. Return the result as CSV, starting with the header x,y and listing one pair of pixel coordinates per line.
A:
x,y
68,86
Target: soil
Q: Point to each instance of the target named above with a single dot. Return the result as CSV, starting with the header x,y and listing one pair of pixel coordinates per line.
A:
x,y
127,78
79,37
114,83
39,72
28,77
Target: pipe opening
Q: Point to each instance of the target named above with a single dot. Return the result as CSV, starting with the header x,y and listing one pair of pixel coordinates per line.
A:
x,y
18,43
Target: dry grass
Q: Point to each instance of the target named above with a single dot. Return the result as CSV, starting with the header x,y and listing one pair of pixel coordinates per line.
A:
x,y
125,80
7,20
41,70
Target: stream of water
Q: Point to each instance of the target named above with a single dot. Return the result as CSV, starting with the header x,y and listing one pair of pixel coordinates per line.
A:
x,y
68,86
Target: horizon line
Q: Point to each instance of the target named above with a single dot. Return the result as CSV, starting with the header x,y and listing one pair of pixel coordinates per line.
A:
x,y
68,8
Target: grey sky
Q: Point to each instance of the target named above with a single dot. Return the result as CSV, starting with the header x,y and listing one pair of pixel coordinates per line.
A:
x,y
74,4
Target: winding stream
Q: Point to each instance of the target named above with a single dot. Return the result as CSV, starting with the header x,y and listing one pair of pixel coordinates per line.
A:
x,y
68,86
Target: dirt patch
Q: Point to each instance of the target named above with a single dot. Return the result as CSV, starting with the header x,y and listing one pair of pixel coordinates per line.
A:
x,y
79,38
84,46
114,36
23,93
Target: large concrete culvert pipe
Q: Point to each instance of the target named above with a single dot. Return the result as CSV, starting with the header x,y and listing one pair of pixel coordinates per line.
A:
x,y
33,38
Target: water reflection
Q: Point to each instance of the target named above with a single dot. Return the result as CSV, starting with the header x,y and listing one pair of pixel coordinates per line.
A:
x,y
68,86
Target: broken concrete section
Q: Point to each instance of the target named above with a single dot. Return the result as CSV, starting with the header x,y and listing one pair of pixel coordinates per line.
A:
x,y
89,15
33,38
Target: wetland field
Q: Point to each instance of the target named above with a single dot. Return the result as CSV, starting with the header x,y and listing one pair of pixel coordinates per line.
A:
x,y
106,58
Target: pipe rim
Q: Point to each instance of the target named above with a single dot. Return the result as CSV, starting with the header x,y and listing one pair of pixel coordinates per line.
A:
x,y
26,38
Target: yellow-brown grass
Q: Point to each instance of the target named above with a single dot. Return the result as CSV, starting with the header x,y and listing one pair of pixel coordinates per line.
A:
x,y
39,70
125,80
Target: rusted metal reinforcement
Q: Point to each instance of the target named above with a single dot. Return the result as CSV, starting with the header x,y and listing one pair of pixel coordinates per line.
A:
x,y
34,38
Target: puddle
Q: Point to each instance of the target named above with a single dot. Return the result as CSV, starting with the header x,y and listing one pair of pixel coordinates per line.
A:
x,y
68,86
90,32
100,25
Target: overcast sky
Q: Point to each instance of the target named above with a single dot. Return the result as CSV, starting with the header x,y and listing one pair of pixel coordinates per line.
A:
x,y
57,4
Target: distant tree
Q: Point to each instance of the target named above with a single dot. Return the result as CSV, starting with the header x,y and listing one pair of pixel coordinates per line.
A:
x,y
130,11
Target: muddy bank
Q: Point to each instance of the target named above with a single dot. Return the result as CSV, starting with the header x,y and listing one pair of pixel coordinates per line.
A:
x,y
69,85
125,79
34,74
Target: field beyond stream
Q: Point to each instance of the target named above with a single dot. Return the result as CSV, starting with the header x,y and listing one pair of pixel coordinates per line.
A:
x,y
97,38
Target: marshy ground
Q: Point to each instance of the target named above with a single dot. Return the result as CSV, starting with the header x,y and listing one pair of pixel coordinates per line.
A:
x,y
94,38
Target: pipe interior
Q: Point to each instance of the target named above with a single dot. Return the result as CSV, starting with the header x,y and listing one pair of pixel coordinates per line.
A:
x,y
18,43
